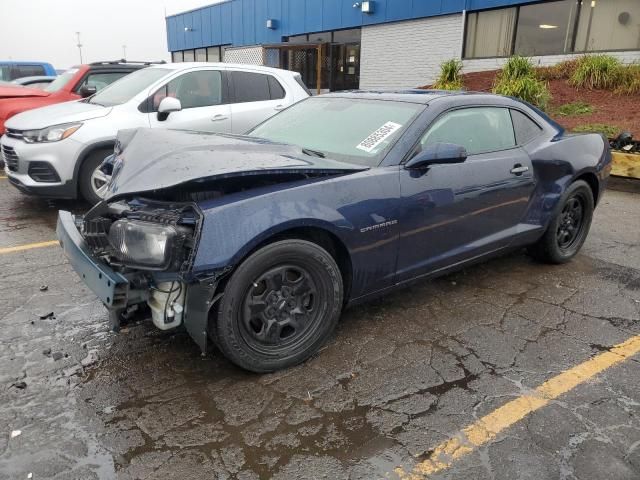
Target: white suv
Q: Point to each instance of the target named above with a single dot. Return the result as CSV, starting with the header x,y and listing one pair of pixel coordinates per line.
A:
x,y
56,151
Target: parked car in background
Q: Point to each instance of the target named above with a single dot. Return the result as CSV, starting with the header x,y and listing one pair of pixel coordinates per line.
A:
x,y
57,151
255,243
78,82
38,81
10,70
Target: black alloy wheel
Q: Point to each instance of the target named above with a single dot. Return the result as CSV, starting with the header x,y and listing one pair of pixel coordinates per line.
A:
x,y
568,229
279,307
571,222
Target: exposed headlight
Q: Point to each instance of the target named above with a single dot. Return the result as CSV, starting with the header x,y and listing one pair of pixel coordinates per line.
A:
x,y
54,133
144,245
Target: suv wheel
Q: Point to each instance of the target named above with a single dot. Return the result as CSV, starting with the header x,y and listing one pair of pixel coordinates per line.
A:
x,y
92,182
279,307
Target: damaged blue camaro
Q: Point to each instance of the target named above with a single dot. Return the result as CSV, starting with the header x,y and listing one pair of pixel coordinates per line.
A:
x,y
256,243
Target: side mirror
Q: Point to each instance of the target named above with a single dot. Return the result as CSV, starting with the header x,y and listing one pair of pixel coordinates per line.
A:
x,y
437,153
88,90
168,105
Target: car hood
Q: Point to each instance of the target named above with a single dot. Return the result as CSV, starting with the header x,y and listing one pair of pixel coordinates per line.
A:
x,y
17,91
149,159
68,112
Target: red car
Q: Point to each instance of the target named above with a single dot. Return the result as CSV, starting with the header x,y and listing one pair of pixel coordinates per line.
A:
x,y
78,82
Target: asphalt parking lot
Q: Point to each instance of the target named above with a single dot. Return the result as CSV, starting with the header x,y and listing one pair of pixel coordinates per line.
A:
x,y
445,379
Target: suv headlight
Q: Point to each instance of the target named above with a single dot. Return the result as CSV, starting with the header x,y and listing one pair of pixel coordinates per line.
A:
x,y
55,133
145,245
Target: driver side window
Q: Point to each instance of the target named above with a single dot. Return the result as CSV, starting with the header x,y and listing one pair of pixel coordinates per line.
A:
x,y
477,129
193,89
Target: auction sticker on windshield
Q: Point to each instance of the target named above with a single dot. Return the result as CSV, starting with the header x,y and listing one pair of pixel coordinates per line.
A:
x,y
376,138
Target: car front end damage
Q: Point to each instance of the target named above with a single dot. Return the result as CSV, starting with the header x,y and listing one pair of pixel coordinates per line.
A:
x,y
139,253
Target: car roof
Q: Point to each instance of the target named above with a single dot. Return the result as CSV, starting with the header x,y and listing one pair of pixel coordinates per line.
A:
x,y
188,65
425,96
411,95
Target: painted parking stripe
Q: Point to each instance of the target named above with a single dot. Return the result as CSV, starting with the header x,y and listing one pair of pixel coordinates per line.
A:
x,y
28,246
1,177
489,426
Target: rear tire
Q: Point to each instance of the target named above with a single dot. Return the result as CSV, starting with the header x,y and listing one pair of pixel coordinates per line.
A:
x,y
90,178
569,226
279,307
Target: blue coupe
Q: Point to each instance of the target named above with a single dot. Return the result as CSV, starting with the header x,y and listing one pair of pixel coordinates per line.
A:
x,y
256,243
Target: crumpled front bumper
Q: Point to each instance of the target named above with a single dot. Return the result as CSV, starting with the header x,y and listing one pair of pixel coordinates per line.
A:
x,y
115,290
110,287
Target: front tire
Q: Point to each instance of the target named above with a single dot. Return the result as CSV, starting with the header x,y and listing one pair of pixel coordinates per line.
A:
x,y
92,183
279,307
568,228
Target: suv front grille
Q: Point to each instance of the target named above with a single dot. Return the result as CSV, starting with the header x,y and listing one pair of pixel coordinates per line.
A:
x,y
43,172
10,158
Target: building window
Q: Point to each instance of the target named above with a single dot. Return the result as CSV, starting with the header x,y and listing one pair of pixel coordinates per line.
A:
x,y
608,25
490,33
551,28
298,39
188,56
546,28
352,35
213,54
201,55
176,57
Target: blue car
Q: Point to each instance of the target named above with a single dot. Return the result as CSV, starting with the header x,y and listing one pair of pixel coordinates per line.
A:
x,y
256,243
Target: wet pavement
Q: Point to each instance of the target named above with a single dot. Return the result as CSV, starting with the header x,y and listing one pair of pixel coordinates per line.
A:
x,y
401,375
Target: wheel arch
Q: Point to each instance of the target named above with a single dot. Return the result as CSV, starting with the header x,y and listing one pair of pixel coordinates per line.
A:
x,y
84,154
594,184
318,235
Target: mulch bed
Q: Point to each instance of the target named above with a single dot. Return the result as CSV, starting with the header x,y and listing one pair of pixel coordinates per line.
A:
x,y
622,111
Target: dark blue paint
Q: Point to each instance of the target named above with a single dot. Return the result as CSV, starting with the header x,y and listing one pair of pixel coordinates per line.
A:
x,y
243,22
439,218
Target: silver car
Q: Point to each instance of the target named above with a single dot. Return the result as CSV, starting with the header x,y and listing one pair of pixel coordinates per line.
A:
x,y
56,151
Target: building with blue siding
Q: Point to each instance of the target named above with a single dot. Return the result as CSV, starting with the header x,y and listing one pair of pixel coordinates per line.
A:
x,y
342,44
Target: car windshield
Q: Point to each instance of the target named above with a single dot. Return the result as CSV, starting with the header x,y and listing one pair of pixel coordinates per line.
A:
x,y
351,130
61,81
123,90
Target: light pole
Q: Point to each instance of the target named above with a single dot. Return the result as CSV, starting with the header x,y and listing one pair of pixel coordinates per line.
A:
x,y
124,52
79,45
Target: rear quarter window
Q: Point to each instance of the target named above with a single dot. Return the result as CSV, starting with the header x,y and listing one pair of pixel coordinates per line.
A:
x,y
250,87
524,128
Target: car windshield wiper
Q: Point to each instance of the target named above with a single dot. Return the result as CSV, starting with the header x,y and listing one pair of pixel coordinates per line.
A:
x,y
313,153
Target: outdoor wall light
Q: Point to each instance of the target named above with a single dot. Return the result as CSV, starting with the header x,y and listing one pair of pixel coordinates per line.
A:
x,y
272,24
188,29
367,7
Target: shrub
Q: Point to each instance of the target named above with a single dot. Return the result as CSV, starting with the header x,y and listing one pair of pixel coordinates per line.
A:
x,y
597,71
518,79
517,67
561,71
449,78
629,83
574,108
608,131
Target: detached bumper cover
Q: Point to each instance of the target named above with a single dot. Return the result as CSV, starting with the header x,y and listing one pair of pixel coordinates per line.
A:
x,y
110,287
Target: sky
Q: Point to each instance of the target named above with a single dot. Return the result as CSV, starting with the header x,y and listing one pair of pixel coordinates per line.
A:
x,y
44,30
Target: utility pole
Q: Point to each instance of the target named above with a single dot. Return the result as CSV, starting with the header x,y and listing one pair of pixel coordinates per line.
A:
x,y
79,45
124,52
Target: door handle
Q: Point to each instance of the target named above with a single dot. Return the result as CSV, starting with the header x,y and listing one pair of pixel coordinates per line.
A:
x,y
278,108
519,169
219,117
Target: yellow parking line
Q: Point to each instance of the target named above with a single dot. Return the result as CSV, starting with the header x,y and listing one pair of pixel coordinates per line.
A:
x,y
2,177
28,246
489,426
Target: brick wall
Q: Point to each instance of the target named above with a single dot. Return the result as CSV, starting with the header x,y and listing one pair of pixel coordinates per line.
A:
x,y
408,54
483,64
